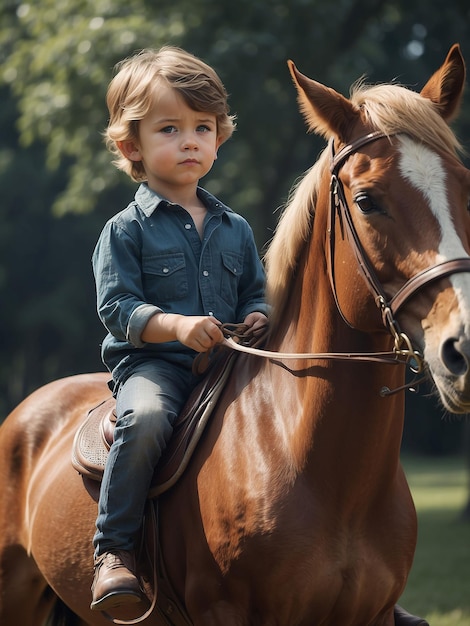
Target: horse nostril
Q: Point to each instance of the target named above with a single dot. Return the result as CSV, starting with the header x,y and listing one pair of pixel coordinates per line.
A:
x,y
453,358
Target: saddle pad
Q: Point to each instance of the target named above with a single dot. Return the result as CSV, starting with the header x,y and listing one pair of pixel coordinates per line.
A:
x,y
90,447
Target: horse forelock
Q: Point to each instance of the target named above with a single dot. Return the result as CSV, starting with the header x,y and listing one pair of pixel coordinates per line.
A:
x,y
394,109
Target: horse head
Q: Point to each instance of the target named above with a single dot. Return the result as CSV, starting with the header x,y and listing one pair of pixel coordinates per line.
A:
x,y
398,215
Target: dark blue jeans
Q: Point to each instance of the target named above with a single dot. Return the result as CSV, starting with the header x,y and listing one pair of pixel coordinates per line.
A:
x,y
147,405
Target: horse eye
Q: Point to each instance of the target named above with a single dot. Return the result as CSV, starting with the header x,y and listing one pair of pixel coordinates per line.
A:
x,y
365,203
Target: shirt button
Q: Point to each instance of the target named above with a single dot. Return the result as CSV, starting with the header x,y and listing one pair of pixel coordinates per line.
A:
x,y
165,270
187,226
205,273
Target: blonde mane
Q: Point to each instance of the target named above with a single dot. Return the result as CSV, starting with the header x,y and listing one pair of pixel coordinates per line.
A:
x,y
389,108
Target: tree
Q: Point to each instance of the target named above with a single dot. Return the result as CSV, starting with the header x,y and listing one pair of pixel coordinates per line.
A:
x,y
59,55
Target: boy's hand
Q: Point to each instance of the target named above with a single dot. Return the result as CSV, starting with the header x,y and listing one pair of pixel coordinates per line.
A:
x,y
199,333
256,320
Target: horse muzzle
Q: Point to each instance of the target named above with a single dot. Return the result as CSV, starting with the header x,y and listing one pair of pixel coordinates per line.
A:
x,y
449,367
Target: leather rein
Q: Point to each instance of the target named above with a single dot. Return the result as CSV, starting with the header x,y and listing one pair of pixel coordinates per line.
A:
x,y
403,350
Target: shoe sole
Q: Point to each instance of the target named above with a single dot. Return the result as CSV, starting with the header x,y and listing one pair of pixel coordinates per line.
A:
x,y
116,599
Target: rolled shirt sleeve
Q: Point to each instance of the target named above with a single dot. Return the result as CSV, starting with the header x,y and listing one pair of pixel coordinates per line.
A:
x,y
120,296
138,321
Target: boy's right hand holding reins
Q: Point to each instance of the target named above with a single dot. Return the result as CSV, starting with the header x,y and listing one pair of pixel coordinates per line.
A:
x,y
198,332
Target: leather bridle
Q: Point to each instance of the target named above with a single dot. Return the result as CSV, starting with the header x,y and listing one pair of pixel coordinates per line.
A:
x,y
403,350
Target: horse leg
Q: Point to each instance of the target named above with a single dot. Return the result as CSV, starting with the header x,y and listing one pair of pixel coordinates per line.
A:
x,y
25,597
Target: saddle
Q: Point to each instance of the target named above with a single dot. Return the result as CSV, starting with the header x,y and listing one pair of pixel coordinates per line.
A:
x,y
94,437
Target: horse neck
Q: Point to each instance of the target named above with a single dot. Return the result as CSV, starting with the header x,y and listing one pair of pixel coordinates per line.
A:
x,y
340,413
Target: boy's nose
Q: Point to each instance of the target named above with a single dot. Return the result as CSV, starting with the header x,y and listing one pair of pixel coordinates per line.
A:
x,y
190,143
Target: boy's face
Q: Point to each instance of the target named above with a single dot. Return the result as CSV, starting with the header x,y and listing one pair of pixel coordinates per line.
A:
x,y
177,145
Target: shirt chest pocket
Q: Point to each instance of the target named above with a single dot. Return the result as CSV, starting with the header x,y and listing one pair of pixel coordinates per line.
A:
x,y
165,278
232,269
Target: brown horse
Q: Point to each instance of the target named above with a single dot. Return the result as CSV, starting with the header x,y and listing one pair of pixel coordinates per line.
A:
x,y
294,509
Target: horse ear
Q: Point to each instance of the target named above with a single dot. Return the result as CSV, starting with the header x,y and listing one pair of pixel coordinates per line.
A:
x,y
445,87
326,111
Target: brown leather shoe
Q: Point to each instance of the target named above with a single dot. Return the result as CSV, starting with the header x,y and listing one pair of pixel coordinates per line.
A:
x,y
115,583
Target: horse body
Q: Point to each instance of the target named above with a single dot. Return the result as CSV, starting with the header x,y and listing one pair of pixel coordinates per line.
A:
x,y
294,509
333,546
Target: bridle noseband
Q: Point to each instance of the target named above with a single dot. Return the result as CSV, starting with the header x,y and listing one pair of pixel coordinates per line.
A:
x,y
389,307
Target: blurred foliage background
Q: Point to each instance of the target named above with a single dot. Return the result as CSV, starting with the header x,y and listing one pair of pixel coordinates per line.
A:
x,y
57,183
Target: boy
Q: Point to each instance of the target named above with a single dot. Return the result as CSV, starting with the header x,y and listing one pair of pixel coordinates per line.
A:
x,y
169,269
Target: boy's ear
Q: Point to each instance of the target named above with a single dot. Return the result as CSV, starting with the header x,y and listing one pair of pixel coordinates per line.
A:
x,y
218,143
129,149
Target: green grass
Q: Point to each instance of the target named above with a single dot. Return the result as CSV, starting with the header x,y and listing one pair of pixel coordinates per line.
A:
x,y
438,588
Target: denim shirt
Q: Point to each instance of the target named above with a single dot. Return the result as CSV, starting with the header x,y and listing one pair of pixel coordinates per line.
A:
x,y
150,258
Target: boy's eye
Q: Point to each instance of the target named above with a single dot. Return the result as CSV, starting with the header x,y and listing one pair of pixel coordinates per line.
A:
x,y
168,129
204,128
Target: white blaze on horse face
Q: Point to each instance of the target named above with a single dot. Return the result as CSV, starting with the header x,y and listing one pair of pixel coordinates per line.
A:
x,y
425,171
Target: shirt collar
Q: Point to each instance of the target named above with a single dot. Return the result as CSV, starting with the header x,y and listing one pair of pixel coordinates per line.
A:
x,y
148,200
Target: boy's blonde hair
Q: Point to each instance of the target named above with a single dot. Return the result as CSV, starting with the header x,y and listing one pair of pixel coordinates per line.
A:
x,y
131,95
